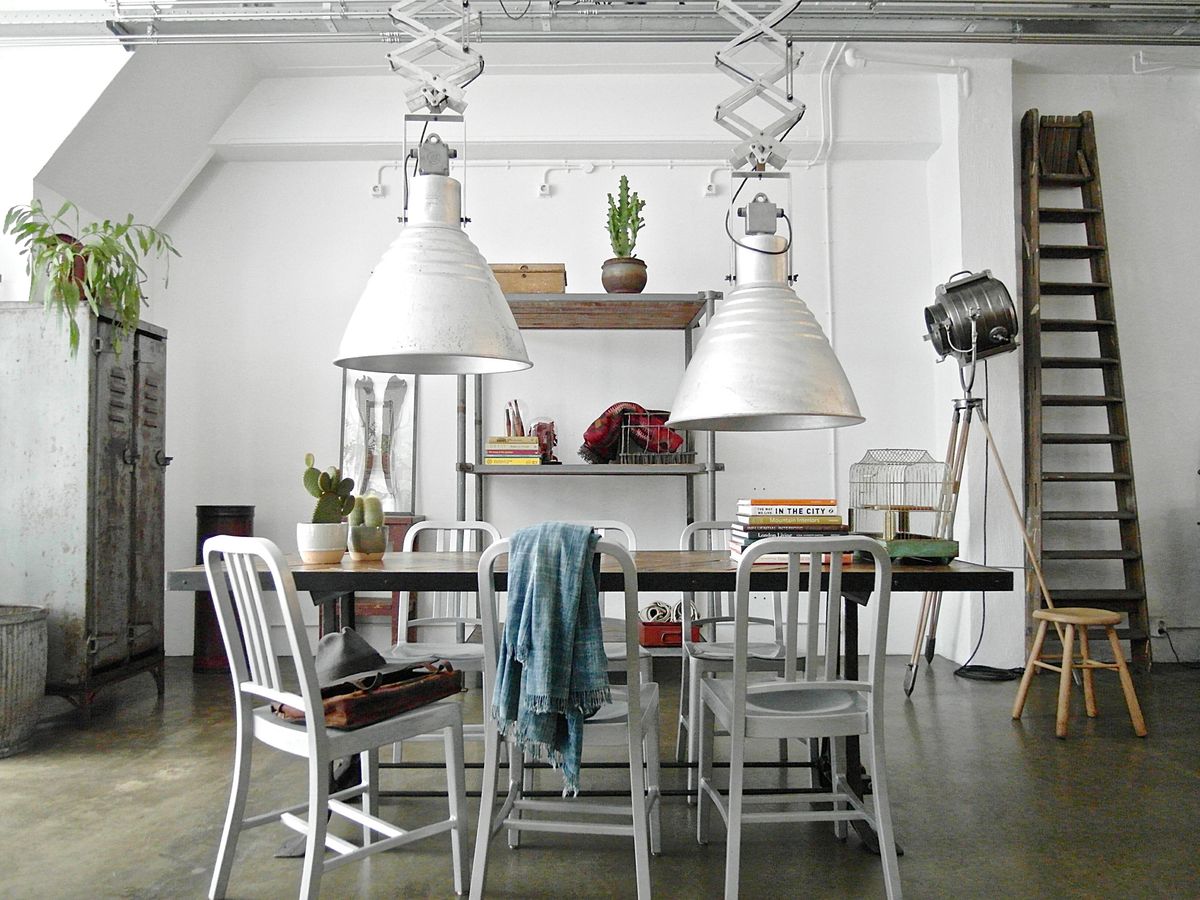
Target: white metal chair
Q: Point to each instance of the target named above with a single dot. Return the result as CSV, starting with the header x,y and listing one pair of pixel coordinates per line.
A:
x,y
821,705
714,652
457,611
233,566
622,534
630,721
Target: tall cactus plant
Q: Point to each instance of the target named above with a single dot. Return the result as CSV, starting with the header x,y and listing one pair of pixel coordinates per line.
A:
x,y
624,219
333,492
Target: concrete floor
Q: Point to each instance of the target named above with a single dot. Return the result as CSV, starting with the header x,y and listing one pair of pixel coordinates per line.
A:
x,y
130,806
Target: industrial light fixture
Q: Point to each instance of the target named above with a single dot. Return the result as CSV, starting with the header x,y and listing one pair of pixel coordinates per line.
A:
x,y
763,362
432,304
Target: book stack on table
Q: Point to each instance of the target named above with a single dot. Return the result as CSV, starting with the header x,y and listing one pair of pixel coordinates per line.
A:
x,y
512,450
761,518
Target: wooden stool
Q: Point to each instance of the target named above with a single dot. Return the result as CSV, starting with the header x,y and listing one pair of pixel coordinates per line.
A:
x,y
1077,621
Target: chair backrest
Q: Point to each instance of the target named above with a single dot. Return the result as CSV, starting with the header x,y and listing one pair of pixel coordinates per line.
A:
x,y
613,531
706,536
234,566
805,557
718,610
456,609
490,614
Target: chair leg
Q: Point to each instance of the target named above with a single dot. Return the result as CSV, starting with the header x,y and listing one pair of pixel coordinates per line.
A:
x,y
733,837
1030,668
1064,682
883,815
683,723
456,792
318,814
837,766
487,806
637,801
369,766
704,731
235,813
695,733
520,777
653,784
1089,675
1131,700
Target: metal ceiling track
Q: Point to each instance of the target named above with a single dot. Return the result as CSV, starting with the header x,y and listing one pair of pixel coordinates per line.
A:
x,y
135,23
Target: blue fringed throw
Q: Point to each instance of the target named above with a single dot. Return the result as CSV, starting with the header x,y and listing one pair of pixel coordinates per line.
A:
x,y
552,672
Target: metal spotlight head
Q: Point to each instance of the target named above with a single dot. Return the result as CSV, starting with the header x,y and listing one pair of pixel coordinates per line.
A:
x,y
972,317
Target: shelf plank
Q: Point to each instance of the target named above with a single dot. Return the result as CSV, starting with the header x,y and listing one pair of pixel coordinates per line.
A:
x,y
658,312
589,469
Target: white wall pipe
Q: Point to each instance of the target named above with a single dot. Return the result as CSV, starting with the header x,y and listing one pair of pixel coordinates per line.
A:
x,y
856,60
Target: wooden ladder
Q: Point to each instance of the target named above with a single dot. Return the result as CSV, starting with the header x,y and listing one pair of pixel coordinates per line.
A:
x,y
1077,453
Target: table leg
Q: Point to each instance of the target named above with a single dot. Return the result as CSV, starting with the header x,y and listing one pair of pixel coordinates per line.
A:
x,y
855,773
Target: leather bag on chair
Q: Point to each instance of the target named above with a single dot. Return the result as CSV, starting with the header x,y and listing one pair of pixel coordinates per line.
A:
x,y
359,687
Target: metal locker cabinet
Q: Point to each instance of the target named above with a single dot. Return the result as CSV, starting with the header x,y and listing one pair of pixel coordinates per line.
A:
x,y
83,442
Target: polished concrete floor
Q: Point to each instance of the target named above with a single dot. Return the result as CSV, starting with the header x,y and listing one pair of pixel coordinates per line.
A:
x,y
130,806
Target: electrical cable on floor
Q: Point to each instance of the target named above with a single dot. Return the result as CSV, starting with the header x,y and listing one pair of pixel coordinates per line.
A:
x,y
1175,653
966,670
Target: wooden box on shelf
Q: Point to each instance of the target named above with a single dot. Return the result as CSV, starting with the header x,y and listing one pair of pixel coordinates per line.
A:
x,y
531,278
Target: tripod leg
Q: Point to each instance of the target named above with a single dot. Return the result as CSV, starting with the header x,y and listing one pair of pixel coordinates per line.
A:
x,y
931,631
910,676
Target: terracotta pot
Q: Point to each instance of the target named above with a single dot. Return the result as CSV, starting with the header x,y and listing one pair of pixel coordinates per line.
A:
x,y
623,275
321,543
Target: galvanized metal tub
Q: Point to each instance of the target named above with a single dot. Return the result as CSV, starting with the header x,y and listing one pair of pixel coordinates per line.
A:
x,y
22,674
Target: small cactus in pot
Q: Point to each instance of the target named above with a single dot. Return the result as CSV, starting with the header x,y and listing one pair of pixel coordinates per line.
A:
x,y
368,537
323,541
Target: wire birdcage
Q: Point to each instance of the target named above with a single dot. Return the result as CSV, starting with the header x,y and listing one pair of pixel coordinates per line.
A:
x,y
887,487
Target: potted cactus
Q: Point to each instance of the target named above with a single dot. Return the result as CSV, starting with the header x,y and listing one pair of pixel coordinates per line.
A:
x,y
624,273
368,537
323,541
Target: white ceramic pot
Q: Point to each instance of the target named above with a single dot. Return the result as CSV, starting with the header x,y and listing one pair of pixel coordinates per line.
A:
x,y
321,543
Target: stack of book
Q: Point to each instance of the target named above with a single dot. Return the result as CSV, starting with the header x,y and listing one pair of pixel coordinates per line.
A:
x,y
512,450
761,518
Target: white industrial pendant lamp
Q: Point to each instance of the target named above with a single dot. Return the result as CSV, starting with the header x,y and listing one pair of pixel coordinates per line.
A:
x,y
763,363
432,304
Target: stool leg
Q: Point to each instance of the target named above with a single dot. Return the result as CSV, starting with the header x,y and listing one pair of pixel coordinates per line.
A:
x,y
1030,668
1131,700
1064,683
1089,675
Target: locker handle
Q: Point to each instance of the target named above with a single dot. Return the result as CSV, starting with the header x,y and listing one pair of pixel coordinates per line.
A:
x,y
162,459
129,455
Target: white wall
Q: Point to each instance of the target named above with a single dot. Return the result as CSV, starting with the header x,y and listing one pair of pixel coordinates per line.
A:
x,y
47,91
279,232
277,251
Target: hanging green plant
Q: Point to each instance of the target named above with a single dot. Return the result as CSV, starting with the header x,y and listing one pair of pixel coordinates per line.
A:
x,y
98,264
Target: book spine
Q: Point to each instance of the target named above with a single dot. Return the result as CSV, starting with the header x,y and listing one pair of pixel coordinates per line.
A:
x,y
786,501
514,461
761,534
499,451
520,440
799,521
781,510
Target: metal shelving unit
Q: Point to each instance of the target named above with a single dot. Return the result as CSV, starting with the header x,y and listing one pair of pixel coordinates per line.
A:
x,y
568,312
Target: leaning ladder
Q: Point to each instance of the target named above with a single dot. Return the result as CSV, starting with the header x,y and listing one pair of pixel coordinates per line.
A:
x,y
1077,453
